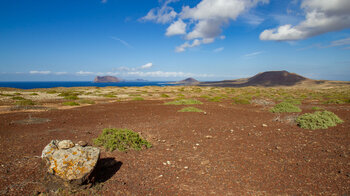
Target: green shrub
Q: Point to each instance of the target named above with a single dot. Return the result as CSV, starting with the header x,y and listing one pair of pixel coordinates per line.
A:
x,y
316,108
71,97
215,99
138,99
237,100
318,120
6,95
51,92
334,101
25,102
18,98
285,107
293,101
33,94
190,109
70,103
164,95
17,93
86,101
121,139
109,95
184,102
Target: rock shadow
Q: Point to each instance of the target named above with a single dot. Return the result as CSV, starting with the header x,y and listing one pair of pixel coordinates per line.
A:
x,y
105,169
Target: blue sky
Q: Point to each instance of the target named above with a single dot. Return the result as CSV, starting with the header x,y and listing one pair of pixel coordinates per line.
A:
x,y
69,40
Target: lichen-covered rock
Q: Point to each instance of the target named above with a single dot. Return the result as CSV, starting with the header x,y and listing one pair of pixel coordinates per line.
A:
x,y
70,164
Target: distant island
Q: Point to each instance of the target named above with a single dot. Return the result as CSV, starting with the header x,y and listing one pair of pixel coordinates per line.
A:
x,y
187,81
106,79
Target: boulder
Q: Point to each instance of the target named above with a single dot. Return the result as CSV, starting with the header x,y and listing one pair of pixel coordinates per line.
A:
x,y
73,163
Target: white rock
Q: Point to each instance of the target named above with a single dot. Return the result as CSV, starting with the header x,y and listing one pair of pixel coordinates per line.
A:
x,y
65,144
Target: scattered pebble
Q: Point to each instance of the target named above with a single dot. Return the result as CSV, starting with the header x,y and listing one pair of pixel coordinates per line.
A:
x,y
264,125
168,162
185,167
197,144
208,136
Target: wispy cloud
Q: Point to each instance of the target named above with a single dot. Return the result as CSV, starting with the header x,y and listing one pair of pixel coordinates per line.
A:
x,y
340,42
145,66
104,1
40,72
122,42
163,74
218,49
253,54
85,73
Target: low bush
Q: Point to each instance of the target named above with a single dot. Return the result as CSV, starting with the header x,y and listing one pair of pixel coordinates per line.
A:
x,y
70,103
121,139
109,95
138,99
18,98
285,107
316,108
33,94
71,97
215,99
51,92
25,102
334,101
86,101
237,100
164,95
190,109
318,120
184,102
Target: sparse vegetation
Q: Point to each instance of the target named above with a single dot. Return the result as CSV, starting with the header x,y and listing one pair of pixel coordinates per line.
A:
x,y
25,102
215,99
318,120
164,95
18,98
316,108
109,95
138,99
51,92
70,103
190,109
86,101
238,100
285,107
334,101
121,139
71,97
184,102
33,94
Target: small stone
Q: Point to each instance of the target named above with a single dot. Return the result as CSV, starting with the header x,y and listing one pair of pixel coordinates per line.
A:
x,y
168,162
204,113
65,144
264,125
208,136
206,162
186,167
82,143
164,163
197,144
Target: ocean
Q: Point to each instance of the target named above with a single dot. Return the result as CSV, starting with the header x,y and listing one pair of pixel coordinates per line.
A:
x,y
33,85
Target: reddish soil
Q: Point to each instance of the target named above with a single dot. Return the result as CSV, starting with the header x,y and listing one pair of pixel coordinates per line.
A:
x,y
224,152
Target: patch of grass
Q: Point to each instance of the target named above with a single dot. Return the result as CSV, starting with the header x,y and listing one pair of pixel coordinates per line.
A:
x,y
6,95
164,95
51,92
25,102
86,101
285,107
33,94
318,120
18,98
334,101
190,109
17,93
238,100
70,103
184,102
138,99
316,108
293,101
71,97
109,95
121,139
215,99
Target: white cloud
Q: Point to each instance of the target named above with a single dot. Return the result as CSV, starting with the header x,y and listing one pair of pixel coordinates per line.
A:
x,y
61,73
103,1
218,49
186,45
340,42
85,73
253,54
40,72
321,16
146,66
164,14
204,21
164,74
122,41
176,28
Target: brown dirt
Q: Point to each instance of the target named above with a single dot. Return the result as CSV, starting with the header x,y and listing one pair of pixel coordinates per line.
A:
x,y
226,151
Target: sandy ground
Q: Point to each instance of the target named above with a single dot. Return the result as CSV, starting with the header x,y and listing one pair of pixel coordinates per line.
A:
x,y
227,151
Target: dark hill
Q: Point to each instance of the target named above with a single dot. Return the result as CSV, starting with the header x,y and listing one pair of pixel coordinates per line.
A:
x,y
269,78
275,78
106,79
187,81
